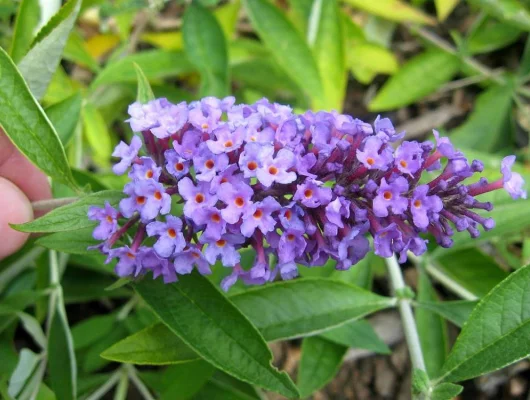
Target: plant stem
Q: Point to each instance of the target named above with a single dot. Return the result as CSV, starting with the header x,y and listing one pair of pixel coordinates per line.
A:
x,y
102,390
407,318
44,205
450,284
138,383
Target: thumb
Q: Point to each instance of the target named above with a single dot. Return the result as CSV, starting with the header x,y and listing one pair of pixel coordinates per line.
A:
x,y
15,208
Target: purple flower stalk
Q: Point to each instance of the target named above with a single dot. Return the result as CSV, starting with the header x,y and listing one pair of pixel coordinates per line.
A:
x,y
296,189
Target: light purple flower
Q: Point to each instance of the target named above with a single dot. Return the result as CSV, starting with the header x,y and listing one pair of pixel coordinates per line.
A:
x,y
311,194
384,130
387,241
390,195
422,205
127,153
171,120
196,196
291,245
108,220
276,169
190,257
259,215
335,211
145,116
170,237
288,270
208,164
513,181
226,140
290,217
205,116
251,159
352,249
148,198
146,168
224,249
212,218
188,145
408,157
129,261
160,267
175,164
375,154
237,199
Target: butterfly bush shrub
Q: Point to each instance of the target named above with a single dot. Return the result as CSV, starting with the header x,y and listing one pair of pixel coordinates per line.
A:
x,y
296,188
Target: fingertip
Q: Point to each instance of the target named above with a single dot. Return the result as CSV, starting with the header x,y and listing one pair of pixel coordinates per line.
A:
x,y
15,208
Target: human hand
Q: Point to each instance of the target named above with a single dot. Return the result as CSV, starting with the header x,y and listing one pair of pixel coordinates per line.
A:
x,y
20,184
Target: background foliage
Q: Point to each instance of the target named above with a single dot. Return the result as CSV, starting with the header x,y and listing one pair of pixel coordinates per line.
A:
x,y
69,330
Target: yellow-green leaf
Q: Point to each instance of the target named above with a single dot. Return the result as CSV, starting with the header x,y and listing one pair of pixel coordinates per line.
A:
x,y
97,134
393,10
366,60
444,8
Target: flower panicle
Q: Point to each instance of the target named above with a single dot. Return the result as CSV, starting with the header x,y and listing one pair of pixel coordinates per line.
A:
x,y
304,188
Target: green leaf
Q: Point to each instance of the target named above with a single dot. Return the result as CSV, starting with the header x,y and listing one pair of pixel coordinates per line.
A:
x,y
62,367
420,76
358,335
156,64
328,50
457,311
446,391
320,361
366,60
205,46
25,123
71,216
290,309
64,116
97,134
39,64
183,381
33,328
154,345
432,329
77,52
492,35
144,93
26,364
208,323
471,269
287,47
28,17
227,16
70,242
91,330
496,334
393,10
444,8
420,382
224,387
489,122
511,11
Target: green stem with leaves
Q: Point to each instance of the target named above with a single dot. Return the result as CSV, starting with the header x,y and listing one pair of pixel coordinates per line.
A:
x,y
407,317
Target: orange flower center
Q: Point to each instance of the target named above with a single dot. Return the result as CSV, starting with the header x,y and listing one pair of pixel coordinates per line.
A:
x,y
140,199
308,193
273,170
288,214
403,163
171,233
221,243
195,255
290,237
199,198
239,201
158,196
228,144
149,174
179,166
209,164
258,214
216,218
205,126
417,203
224,180
252,165
370,161
131,255
387,195
109,219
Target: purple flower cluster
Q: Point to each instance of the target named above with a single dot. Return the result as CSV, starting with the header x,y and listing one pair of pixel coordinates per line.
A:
x,y
297,189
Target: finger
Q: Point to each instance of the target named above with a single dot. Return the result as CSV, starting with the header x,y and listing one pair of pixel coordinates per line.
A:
x,y
15,208
20,171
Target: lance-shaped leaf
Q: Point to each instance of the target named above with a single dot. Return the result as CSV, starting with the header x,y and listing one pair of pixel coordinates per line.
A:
x,y
144,91
71,216
215,329
394,10
65,116
512,11
496,334
457,311
206,48
28,16
287,46
28,127
41,61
